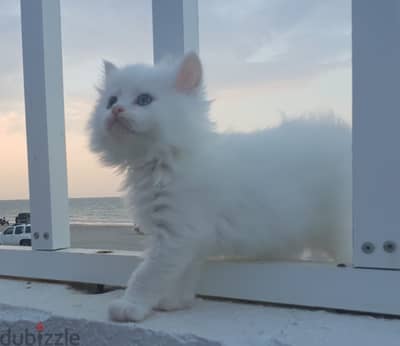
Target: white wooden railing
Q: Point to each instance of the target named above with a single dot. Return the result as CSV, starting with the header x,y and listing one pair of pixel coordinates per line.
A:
x,y
376,172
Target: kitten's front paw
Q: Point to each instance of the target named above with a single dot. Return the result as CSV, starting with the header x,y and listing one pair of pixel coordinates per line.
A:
x,y
122,310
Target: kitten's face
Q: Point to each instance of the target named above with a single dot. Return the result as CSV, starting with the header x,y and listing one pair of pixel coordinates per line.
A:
x,y
141,106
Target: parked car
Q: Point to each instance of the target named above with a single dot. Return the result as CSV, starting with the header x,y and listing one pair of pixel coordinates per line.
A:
x,y
16,235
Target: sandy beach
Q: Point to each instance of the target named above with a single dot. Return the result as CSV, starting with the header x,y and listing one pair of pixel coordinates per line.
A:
x,y
105,237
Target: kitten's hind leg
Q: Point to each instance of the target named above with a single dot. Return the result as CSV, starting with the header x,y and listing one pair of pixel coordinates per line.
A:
x,y
182,295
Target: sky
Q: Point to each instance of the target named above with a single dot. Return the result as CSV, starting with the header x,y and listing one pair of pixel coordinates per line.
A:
x,y
262,59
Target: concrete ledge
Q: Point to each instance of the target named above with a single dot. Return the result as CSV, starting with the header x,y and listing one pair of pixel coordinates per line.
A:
x,y
23,304
21,326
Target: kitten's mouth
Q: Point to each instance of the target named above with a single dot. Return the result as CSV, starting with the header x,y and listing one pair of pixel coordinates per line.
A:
x,y
119,122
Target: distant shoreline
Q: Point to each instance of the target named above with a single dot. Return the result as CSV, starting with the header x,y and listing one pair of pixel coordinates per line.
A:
x,y
109,211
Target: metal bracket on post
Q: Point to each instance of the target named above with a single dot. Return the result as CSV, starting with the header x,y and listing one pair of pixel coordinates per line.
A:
x,y
175,28
44,108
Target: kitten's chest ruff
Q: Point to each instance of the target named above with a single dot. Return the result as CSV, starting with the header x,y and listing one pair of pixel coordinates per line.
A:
x,y
150,192
153,177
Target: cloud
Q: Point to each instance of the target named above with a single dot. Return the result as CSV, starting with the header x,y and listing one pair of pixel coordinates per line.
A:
x,y
11,123
117,30
260,57
77,111
267,41
234,31
11,85
240,43
13,156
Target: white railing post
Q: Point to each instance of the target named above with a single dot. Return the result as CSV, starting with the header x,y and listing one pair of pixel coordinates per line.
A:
x,y
44,107
175,28
376,133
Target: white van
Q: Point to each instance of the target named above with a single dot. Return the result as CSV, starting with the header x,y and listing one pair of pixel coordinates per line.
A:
x,y
16,235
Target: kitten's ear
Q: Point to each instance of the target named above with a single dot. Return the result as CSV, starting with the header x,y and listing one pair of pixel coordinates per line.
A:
x,y
109,67
189,74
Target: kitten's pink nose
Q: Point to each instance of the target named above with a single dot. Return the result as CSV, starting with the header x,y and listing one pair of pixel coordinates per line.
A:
x,y
116,110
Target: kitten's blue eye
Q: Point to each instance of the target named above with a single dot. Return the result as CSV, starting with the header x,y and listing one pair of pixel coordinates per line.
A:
x,y
144,99
111,101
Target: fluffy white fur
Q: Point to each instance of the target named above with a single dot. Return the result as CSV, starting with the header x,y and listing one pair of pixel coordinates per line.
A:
x,y
268,194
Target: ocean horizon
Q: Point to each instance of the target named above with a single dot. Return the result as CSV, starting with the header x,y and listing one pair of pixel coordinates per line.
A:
x,y
103,211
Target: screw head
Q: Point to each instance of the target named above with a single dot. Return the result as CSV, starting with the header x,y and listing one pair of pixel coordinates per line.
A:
x,y
36,235
46,235
389,246
368,247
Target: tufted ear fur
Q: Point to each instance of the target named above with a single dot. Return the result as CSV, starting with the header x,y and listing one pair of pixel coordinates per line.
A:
x,y
189,76
109,67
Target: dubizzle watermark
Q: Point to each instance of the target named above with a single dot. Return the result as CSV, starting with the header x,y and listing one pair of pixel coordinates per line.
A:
x,y
39,337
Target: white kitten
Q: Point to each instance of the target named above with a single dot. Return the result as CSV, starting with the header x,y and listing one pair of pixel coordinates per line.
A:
x,y
268,194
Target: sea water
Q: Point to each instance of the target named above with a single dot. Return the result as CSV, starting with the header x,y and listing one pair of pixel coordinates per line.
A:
x,y
89,211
